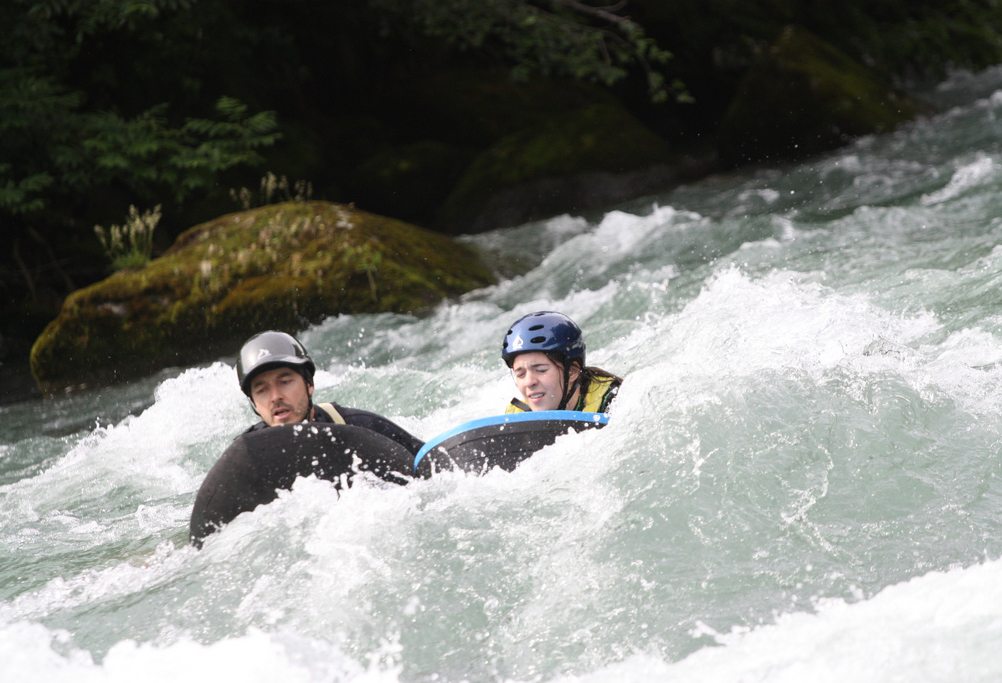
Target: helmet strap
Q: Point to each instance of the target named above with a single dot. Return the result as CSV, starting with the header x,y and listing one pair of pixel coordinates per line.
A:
x,y
568,387
309,398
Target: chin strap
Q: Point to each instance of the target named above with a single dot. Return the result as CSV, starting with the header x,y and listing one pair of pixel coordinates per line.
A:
x,y
568,388
308,377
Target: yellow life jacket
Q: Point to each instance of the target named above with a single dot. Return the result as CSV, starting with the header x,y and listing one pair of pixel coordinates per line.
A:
x,y
594,397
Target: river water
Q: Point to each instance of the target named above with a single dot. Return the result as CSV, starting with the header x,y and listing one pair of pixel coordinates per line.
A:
x,y
801,479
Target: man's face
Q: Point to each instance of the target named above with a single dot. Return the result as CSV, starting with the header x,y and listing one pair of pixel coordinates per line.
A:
x,y
281,396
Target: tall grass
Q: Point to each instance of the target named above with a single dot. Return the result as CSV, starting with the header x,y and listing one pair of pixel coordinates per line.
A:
x,y
130,245
273,189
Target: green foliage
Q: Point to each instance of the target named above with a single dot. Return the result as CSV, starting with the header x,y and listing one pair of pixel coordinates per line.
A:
x,y
921,38
55,150
58,145
92,17
130,245
366,259
568,38
85,128
22,195
928,37
146,154
85,131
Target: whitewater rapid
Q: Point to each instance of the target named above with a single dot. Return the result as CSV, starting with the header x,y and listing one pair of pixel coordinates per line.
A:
x,y
800,479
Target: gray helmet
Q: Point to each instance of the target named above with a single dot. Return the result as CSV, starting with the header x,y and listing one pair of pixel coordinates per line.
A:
x,y
270,350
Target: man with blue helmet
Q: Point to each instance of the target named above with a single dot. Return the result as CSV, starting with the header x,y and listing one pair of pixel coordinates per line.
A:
x,y
276,374
546,354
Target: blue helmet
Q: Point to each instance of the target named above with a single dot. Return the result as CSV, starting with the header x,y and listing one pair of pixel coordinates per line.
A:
x,y
545,331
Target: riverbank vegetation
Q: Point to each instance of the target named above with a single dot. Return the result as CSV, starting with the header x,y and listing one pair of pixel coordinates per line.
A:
x,y
398,106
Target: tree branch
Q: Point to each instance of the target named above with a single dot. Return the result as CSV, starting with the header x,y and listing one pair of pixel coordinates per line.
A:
x,y
605,13
24,271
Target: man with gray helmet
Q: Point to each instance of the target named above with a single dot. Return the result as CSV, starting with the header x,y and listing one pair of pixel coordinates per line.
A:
x,y
276,374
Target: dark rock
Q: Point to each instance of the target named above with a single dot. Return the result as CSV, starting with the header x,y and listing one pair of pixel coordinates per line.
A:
x,y
575,161
802,97
571,194
474,108
410,182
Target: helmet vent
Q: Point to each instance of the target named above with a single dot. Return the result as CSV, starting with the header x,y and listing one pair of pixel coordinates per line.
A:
x,y
537,340
535,327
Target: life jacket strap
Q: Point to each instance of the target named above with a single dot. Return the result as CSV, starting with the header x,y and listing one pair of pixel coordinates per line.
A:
x,y
521,405
332,411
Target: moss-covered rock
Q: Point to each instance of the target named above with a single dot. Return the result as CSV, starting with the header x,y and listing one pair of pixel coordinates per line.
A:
x,y
804,96
574,161
281,266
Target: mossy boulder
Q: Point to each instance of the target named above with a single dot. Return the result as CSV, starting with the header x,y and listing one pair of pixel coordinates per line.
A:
x,y
574,161
282,266
803,96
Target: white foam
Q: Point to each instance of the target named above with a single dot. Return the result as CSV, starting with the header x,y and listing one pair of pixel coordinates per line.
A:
x,y
562,567
939,627
963,179
31,653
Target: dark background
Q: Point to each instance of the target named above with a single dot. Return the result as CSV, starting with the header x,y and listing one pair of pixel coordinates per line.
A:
x,y
116,105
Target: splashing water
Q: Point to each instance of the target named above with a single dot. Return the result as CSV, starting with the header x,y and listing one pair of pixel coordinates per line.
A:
x,y
799,482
